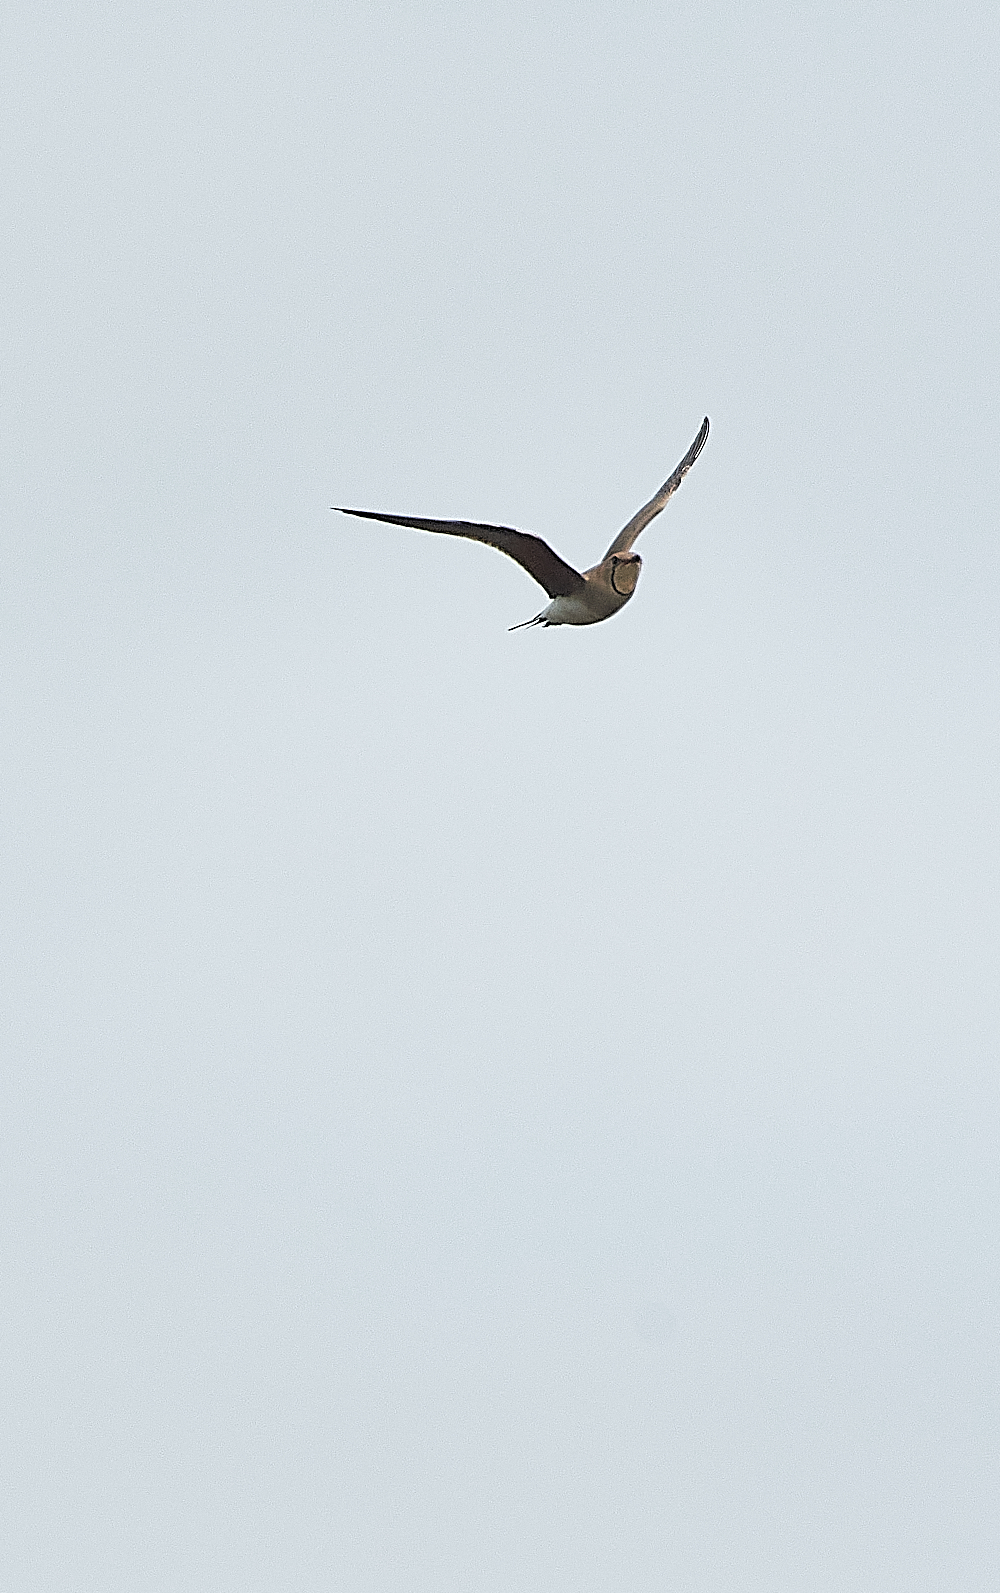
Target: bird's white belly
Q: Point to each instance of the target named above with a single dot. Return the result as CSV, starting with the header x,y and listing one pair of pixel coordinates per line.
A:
x,y
585,607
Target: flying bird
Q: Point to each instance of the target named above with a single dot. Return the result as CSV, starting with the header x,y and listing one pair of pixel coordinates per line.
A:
x,y
577,599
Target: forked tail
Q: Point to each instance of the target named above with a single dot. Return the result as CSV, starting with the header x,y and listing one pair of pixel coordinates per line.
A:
x,y
539,619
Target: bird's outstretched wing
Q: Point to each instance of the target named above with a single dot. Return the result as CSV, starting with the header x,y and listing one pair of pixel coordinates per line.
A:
x,y
623,541
549,570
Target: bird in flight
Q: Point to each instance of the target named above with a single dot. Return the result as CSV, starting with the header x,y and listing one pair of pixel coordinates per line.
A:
x,y
577,599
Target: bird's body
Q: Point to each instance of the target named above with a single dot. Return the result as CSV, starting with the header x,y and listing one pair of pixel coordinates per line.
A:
x,y
577,599
605,589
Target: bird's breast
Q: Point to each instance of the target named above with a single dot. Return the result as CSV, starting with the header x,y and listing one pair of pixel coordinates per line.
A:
x,y
596,600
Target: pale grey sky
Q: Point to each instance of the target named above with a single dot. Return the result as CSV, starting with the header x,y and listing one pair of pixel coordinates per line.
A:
x,y
484,1112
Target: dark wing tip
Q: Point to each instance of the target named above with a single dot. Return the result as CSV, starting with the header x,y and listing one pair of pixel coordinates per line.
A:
x,y
693,451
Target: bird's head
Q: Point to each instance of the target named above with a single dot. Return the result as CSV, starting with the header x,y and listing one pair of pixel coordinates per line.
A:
x,y
625,569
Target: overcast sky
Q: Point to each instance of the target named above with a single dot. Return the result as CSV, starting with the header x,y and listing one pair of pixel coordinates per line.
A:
x,y
494,1113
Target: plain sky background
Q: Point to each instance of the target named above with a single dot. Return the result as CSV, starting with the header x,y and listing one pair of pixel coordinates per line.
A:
x,y
489,1113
